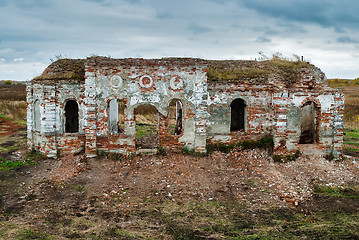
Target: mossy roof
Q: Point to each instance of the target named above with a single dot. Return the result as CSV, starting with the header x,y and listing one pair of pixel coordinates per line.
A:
x,y
255,72
69,70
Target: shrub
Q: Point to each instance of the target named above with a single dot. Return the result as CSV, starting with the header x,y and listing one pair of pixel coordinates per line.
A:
x,y
264,143
188,151
161,151
286,158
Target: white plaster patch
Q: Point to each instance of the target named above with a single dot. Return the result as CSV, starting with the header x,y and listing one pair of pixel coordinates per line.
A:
x,y
282,117
281,124
326,102
297,101
222,138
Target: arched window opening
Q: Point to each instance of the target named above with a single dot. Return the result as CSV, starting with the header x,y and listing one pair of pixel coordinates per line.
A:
x,y
37,115
116,111
71,117
238,113
175,117
146,119
309,124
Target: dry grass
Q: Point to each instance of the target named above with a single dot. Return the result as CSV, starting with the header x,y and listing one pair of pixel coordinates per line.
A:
x,y
13,92
256,72
13,102
64,69
14,110
351,115
146,114
351,94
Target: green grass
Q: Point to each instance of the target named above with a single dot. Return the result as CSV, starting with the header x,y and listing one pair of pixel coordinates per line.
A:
x,y
30,234
353,133
351,149
351,139
146,130
6,165
231,220
343,192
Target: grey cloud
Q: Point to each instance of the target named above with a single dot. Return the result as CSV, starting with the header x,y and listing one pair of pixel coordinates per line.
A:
x,y
327,13
109,3
217,1
266,30
31,4
339,30
164,15
263,40
292,28
105,3
347,39
133,1
198,29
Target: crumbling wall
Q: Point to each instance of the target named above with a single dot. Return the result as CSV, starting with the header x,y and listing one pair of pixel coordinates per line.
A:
x,y
257,117
50,137
289,107
266,107
137,82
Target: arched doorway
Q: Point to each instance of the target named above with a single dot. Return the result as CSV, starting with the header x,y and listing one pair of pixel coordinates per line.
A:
x,y
146,119
175,117
309,123
37,115
238,114
71,117
116,116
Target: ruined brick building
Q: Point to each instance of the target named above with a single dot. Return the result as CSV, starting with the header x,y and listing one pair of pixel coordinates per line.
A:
x,y
90,104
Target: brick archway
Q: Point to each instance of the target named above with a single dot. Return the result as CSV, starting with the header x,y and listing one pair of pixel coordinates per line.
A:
x,y
310,119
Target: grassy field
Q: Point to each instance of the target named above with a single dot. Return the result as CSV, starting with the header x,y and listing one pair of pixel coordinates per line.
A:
x,y
351,113
13,102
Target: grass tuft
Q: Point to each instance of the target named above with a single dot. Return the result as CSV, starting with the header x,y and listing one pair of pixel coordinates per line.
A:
x,y
30,234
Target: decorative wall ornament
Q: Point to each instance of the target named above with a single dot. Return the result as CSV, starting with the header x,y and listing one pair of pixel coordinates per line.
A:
x,y
176,83
146,81
116,81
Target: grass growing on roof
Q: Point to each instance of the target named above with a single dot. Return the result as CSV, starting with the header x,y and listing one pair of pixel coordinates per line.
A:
x,y
257,72
64,69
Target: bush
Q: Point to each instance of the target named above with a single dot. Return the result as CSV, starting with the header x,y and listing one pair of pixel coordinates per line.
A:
x,y
161,151
264,143
286,158
188,151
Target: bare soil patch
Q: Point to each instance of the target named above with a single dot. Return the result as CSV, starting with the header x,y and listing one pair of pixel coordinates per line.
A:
x,y
241,194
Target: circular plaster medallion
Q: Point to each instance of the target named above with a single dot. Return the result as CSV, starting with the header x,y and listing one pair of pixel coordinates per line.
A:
x,y
116,81
146,81
176,83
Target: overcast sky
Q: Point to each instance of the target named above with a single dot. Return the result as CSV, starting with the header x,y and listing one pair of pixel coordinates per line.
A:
x,y
32,32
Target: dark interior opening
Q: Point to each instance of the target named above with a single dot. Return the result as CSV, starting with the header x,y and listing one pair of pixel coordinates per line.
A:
x,y
175,123
238,107
72,117
309,125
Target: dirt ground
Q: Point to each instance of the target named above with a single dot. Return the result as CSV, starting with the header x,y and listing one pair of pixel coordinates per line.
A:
x,y
243,194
